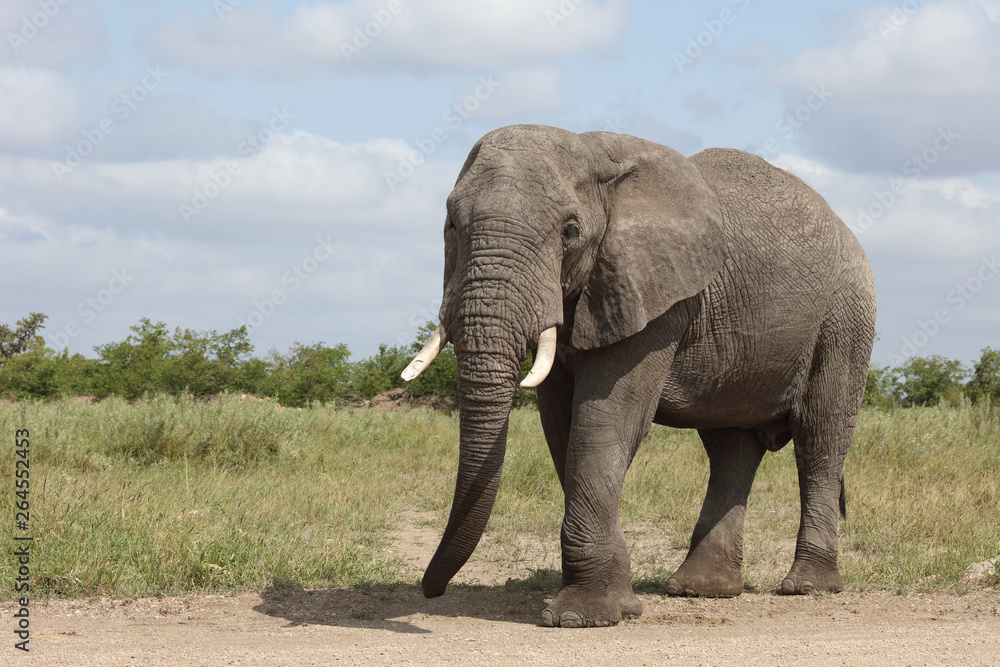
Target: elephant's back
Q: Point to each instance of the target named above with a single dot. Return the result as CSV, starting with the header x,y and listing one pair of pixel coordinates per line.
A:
x,y
776,224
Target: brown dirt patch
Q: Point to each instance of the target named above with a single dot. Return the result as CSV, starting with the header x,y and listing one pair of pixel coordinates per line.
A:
x,y
496,626
489,616
400,399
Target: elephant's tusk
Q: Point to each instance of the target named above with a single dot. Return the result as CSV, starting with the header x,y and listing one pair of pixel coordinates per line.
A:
x,y
434,345
544,358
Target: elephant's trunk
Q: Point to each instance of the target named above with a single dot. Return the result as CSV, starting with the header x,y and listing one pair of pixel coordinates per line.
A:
x,y
487,349
485,412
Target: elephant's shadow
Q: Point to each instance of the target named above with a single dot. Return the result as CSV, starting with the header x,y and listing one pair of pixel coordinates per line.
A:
x,y
400,608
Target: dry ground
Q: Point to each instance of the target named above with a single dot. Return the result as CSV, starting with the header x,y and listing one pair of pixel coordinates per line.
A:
x,y
496,627
493,624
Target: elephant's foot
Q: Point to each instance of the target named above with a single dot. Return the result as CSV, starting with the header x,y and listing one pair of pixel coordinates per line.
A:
x,y
695,580
806,577
576,607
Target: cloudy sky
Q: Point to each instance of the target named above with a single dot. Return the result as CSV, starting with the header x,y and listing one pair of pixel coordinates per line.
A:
x,y
285,164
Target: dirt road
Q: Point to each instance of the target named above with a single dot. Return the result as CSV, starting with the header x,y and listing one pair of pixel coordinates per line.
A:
x,y
494,626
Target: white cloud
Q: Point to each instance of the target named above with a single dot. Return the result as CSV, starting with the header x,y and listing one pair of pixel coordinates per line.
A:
x,y
48,33
942,49
312,174
521,91
16,228
298,189
896,78
36,106
172,126
358,35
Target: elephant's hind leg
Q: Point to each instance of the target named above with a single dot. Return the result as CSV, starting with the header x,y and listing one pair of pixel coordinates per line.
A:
x,y
820,462
712,566
822,429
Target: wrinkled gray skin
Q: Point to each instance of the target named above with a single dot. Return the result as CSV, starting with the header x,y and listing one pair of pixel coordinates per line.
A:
x,y
714,292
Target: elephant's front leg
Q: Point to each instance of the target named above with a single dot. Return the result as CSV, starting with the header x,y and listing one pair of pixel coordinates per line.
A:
x,y
608,423
596,569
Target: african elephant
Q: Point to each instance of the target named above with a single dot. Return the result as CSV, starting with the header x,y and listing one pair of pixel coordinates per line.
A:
x,y
714,292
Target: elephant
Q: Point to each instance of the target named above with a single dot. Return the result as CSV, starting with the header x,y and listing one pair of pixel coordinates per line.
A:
x,y
715,292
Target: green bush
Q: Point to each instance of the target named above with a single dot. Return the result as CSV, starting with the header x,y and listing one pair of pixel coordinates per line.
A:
x,y
380,373
880,388
152,360
929,381
985,382
313,373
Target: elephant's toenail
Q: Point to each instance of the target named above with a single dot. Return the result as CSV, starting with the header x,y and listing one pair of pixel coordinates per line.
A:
x,y
788,587
673,587
571,619
548,620
807,587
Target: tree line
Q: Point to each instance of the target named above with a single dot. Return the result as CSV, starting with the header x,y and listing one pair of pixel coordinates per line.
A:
x,y
935,380
152,359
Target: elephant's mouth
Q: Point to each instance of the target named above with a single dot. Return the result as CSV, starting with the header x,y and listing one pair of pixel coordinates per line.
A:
x,y
545,356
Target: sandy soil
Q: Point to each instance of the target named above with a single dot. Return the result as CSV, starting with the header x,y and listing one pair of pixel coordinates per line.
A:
x,y
493,624
497,627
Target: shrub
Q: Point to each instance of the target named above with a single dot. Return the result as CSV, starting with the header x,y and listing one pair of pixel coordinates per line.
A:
x,y
931,381
985,382
380,373
152,360
880,388
313,373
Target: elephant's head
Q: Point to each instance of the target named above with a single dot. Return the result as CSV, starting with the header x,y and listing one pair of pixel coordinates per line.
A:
x,y
591,235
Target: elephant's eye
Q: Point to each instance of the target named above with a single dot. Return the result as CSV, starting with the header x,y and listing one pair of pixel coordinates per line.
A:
x,y
571,231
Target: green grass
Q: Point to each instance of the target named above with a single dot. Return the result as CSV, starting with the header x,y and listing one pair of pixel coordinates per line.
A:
x,y
926,497
174,496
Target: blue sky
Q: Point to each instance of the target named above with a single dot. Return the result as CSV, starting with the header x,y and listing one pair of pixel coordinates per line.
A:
x,y
282,164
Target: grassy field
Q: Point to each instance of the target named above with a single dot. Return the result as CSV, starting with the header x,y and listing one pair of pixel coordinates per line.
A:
x,y
169,497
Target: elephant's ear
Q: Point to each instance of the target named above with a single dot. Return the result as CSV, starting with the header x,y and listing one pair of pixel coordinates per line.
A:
x,y
663,243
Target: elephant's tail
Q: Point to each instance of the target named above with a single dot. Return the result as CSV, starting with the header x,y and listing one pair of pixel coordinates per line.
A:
x,y
843,499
